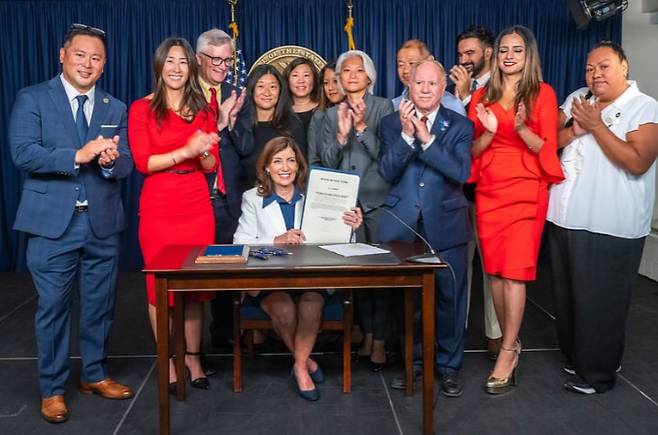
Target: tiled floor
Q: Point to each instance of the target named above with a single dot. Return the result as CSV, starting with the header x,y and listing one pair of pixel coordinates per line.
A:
x,y
268,405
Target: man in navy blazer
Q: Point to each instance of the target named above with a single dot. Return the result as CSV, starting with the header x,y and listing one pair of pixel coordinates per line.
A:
x,y
426,155
69,137
214,52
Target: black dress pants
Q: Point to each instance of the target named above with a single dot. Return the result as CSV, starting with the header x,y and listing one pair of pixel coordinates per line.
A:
x,y
592,279
221,308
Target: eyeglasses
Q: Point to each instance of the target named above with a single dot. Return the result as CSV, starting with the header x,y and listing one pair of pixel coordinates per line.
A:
x,y
82,29
94,30
217,61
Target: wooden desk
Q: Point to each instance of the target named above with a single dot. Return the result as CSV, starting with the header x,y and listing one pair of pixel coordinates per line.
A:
x,y
308,266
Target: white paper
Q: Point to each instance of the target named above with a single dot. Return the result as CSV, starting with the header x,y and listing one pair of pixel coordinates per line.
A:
x,y
354,249
329,194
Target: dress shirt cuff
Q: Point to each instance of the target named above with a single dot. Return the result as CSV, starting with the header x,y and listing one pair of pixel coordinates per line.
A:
x,y
424,146
108,172
466,100
408,139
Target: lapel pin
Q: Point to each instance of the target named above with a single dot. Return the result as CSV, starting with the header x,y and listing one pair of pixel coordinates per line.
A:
x,y
106,100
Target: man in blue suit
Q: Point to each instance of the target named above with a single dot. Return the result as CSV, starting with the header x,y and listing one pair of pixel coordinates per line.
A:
x,y
69,137
426,155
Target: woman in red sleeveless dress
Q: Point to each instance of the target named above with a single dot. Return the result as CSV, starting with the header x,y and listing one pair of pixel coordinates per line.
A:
x,y
173,139
514,161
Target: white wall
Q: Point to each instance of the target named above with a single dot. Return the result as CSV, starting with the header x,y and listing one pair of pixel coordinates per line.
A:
x,y
639,39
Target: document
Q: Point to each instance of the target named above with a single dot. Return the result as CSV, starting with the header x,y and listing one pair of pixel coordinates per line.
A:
x,y
354,249
329,194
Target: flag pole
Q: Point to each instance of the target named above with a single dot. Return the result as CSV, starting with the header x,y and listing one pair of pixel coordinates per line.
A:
x,y
233,25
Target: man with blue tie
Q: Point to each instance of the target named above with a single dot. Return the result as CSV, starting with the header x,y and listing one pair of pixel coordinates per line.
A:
x,y
425,155
69,137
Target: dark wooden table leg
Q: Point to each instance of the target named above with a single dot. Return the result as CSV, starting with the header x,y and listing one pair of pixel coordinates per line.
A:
x,y
162,338
428,352
347,344
179,343
408,340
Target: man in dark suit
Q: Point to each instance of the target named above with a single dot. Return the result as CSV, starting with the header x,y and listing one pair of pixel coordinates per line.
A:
x,y
69,137
214,52
426,155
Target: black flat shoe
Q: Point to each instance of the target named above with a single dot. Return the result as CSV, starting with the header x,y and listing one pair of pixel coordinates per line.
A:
x,y
317,376
172,388
310,395
377,367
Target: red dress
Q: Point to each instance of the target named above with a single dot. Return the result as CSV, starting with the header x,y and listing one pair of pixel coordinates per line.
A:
x,y
511,196
174,208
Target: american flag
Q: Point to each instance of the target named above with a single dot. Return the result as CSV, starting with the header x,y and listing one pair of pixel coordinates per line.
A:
x,y
241,81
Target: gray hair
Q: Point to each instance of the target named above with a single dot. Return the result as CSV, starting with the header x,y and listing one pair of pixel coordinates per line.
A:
x,y
368,65
442,70
214,37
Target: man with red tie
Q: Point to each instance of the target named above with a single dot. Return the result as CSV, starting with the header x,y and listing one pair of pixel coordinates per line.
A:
x,y
214,52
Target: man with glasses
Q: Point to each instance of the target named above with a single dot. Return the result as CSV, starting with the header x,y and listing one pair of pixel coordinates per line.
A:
x,y
69,136
214,52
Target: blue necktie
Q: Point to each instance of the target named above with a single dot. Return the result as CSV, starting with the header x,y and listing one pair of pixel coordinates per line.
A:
x,y
80,120
82,127
474,86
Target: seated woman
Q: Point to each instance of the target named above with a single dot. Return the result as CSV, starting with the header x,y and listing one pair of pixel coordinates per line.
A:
x,y
271,213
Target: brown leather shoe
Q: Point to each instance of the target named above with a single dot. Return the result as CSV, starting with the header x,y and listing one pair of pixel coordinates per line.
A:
x,y
53,409
108,388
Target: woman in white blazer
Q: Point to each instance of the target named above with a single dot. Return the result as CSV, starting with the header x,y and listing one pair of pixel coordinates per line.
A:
x,y
271,214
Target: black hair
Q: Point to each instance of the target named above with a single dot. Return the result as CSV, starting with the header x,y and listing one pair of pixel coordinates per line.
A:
x,y
77,29
481,33
283,109
619,51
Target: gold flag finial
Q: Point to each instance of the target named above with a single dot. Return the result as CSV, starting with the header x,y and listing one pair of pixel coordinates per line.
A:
x,y
233,25
349,23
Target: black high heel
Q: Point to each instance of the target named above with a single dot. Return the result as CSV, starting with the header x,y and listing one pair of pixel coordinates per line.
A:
x,y
201,382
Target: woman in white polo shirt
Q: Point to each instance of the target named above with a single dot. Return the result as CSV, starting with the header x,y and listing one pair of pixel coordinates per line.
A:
x,y
600,215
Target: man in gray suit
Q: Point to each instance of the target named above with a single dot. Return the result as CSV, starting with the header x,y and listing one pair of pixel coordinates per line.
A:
x,y
69,137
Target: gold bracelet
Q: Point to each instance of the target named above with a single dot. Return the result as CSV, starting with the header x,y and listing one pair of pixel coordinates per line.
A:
x,y
173,159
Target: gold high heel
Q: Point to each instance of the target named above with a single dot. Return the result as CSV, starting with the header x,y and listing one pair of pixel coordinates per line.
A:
x,y
495,385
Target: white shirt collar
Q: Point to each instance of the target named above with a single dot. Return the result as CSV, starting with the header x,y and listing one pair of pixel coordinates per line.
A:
x,y
431,117
72,92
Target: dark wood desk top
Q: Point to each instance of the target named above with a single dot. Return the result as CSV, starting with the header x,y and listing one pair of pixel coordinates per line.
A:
x,y
180,259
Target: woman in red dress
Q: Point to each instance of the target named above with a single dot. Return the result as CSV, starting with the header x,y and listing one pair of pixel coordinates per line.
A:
x,y
173,139
514,161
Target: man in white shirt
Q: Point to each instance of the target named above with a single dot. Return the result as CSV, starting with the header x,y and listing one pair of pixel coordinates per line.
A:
x,y
474,53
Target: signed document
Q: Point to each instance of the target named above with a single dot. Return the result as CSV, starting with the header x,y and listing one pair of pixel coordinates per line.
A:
x,y
329,194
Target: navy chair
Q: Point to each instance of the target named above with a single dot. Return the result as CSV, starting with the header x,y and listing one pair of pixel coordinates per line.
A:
x,y
247,316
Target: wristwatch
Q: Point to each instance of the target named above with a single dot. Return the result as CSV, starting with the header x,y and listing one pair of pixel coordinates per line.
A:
x,y
358,134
